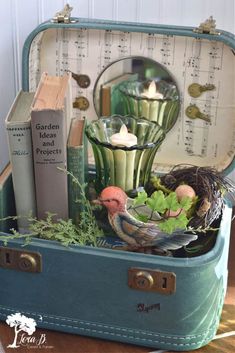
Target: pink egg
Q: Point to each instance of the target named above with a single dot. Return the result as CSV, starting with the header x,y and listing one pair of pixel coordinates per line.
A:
x,y
184,191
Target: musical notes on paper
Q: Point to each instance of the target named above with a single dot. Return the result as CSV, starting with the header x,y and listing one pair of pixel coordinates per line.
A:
x,y
204,60
167,50
189,60
34,62
124,46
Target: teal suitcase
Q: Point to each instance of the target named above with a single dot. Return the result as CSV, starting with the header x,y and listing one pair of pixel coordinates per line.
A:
x,y
105,293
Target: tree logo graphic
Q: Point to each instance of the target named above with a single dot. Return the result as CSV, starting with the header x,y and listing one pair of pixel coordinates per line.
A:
x,y
20,323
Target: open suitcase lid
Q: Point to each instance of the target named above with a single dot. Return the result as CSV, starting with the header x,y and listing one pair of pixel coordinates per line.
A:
x,y
202,55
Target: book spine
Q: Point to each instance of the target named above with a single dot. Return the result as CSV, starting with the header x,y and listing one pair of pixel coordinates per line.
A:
x,y
105,106
2,213
20,149
76,162
49,151
7,206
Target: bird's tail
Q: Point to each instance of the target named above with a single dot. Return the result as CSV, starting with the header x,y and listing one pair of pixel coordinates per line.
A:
x,y
174,241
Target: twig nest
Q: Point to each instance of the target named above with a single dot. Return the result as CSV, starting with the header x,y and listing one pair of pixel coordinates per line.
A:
x,y
204,208
210,187
184,190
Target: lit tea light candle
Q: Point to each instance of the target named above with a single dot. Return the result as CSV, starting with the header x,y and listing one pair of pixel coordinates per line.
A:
x,y
123,138
151,92
124,160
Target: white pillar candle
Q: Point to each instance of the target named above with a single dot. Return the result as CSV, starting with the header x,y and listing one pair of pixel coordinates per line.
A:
x,y
123,138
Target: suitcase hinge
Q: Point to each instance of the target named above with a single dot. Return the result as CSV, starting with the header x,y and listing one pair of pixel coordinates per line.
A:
x,y
63,16
207,27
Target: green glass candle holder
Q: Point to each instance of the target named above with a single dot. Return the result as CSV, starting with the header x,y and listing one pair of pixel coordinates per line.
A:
x,y
155,101
126,167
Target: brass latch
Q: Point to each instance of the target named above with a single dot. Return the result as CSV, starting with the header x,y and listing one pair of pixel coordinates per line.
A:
x,y
21,260
152,280
63,16
207,27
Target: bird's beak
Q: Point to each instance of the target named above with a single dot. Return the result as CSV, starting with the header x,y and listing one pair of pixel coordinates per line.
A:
x,y
96,202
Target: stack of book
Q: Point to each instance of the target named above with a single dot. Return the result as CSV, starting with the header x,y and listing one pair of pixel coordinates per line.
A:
x,y
44,141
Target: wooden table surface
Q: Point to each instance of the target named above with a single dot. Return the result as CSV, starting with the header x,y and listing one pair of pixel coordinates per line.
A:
x,y
67,343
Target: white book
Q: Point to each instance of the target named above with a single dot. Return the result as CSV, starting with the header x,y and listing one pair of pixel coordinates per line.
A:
x,y
20,150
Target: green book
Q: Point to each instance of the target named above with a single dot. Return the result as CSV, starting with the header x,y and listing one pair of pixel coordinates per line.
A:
x,y
7,200
111,99
77,165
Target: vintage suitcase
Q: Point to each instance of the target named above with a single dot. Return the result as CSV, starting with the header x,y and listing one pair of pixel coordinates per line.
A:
x,y
86,290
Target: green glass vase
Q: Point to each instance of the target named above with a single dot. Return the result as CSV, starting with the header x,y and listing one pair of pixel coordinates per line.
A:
x,y
126,167
162,107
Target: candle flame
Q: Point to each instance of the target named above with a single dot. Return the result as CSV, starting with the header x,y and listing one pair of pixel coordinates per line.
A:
x,y
151,92
123,138
123,131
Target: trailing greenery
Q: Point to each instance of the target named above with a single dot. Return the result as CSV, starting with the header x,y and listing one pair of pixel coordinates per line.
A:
x,y
86,233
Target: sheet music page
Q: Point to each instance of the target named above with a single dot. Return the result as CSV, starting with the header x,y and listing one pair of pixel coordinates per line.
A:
x,y
189,60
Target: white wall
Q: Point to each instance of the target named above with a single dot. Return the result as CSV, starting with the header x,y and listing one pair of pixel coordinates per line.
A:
x,y
20,17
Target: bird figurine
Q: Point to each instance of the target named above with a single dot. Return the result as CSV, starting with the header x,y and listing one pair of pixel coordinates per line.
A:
x,y
135,233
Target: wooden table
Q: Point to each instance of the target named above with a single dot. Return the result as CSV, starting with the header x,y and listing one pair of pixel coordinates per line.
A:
x,y
66,343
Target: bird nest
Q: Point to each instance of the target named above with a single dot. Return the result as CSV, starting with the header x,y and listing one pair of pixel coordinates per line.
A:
x,y
210,186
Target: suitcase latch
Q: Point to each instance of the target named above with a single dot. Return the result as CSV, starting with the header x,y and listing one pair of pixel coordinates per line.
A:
x,y
20,260
152,280
63,16
207,27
